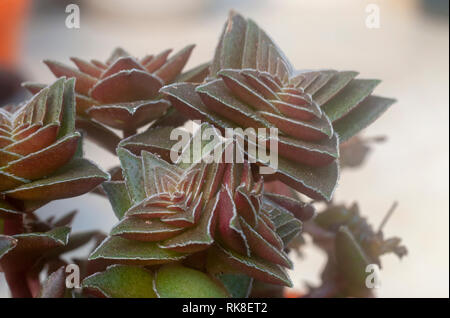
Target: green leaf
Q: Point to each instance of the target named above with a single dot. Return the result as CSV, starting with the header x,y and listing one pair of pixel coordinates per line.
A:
x,y
118,197
54,102
349,98
233,42
76,240
60,235
134,252
333,215
243,44
20,252
133,173
238,285
361,117
68,109
255,267
334,85
320,81
176,281
7,243
155,140
119,281
315,182
79,153
251,47
352,260
287,226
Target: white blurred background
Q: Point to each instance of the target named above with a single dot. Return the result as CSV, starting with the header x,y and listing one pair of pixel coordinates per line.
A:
x,y
409,52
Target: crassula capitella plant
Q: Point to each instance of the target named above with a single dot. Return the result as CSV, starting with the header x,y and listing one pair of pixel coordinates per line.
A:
x,y
171,212
252,84
123,91
40,161
189,226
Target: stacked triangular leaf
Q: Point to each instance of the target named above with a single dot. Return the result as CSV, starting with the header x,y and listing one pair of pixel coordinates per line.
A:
x,y
253,85
123,91
169,211
39,161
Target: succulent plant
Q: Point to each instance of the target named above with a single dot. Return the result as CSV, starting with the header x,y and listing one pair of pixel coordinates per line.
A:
x,y
37,250
123,92
253,85
351,244
39,161
190,222
168,281
171,211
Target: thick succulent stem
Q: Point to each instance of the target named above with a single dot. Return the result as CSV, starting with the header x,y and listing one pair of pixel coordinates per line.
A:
x,y
17,281
18,284
33,282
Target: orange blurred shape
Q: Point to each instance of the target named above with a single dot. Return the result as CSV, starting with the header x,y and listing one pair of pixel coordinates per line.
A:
x,y
291,293
12,14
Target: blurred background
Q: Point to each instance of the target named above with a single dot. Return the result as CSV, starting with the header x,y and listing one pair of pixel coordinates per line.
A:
x,y
409,52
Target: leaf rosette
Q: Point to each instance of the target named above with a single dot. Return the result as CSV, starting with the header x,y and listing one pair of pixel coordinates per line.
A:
x,y
39,152
123,91
38,250
169,211
253,85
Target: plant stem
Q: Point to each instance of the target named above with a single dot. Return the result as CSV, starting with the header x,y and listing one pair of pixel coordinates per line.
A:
x,y
33,283
18,285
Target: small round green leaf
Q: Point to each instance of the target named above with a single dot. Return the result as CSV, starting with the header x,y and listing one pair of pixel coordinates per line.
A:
x,y
176,281
119,281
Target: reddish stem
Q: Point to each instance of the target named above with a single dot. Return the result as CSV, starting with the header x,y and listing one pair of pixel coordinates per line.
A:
x,y
17,281
34,285
18,285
